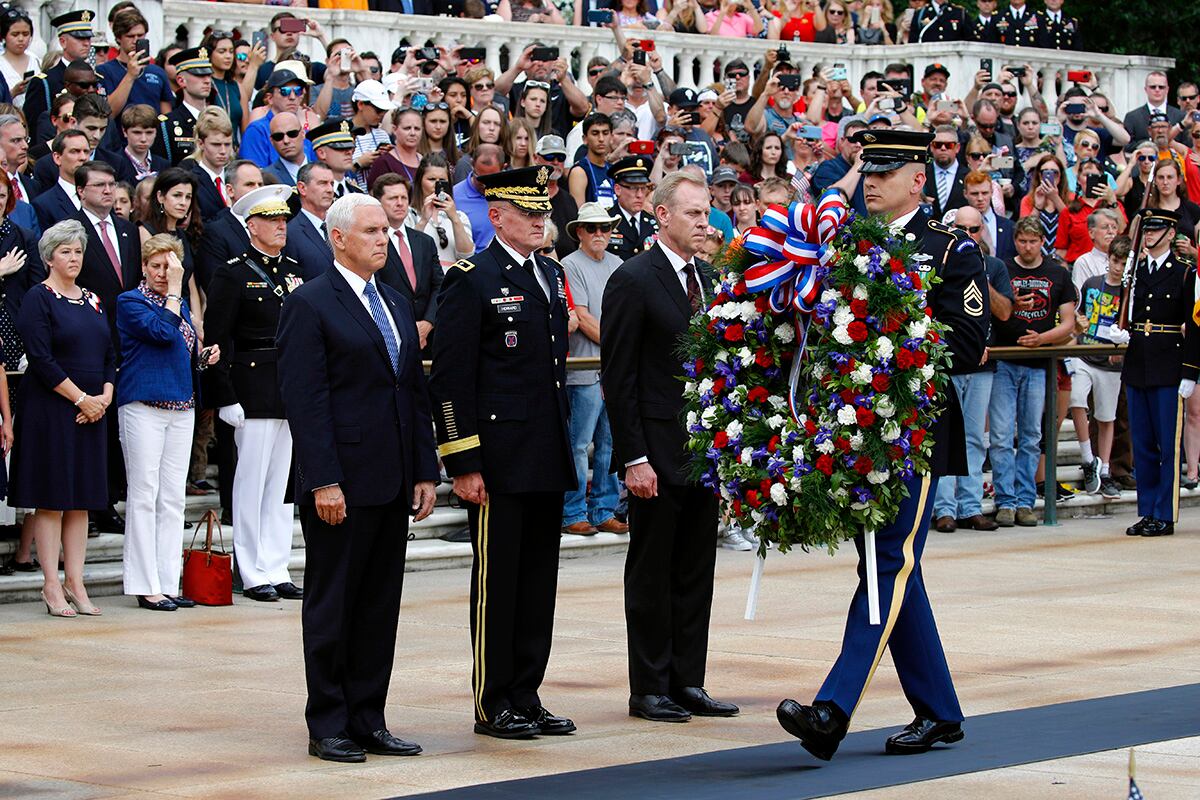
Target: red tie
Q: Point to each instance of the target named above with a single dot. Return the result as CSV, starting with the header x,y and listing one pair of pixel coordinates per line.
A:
x,y
406,258
221,191
112,251
15,180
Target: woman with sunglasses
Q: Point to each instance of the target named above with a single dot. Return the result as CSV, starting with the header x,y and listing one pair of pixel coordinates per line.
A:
x,y
16,29
434,213
1132,182
489,127
535,101
405,155
767,158
436,136
171,210
1047,200
978,151
482,83
233,85
519,143
838,15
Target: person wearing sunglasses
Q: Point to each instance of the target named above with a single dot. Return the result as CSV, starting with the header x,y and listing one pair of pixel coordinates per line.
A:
x,y
287,138
74,31
284,94
1077,112
1137,120
943,173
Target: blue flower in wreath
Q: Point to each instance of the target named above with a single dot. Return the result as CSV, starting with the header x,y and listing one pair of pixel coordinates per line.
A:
x,y
863,495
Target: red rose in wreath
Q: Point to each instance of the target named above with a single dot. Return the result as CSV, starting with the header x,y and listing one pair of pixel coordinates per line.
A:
x,y
859,308
734,333
863,465
904,358
825,464
763,358
866,417
881,383
758,394
858,331
721,440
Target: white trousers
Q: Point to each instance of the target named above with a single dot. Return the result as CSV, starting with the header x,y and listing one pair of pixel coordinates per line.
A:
x,y
158,446
262,522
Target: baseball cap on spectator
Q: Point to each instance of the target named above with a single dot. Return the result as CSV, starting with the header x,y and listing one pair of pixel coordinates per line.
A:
x,y
706,96
724,175
282,77
297,68
845,122
990,86
550,145
881,116
737,63
1157,116
398,54
935,68
683,98
372,92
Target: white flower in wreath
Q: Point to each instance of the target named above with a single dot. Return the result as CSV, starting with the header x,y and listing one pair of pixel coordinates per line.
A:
x,y
819,371
785,333
914,385
841,494
748,311
775,421
910,237
846,415
692,419
746,355
860,291
917,329
778,403
706,385
757,516
747,456
841,335
708,417
890,431
830,296
798,453
825,447
862,374
926,372
843,316
689,388
722,355
733,429
856,441
878,476
779,495
861,263
884,407
884,348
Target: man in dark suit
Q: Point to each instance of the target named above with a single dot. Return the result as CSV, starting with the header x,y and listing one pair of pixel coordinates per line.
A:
x,y
635,230
672,519
214,147
59,201
998,229
357,403
225,235
287,137
499,383
92,117
944,174
308,238
893,169
112,264
1137,121
938,22
413,268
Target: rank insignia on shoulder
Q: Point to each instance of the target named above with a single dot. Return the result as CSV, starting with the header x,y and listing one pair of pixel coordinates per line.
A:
x,y
162,117
234,260
464,264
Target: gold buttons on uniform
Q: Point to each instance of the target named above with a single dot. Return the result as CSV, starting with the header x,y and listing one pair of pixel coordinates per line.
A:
x,y
252,363
493,416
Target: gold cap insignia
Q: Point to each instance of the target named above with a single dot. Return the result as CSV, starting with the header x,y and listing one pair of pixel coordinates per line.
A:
x,y
87,16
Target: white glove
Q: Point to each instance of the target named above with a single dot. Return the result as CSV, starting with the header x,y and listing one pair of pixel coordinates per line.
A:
x,y
1186,388
1117,335
235,415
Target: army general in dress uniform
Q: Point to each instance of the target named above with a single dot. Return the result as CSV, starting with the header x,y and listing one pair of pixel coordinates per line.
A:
x,y
893,166
1058,31
635,231
500,408
938,22
176,139
1160,369
242,316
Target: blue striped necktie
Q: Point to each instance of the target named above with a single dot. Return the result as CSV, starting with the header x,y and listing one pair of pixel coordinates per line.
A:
x,y
381,322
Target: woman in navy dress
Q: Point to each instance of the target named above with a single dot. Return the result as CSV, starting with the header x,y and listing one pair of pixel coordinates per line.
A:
x,y
59,462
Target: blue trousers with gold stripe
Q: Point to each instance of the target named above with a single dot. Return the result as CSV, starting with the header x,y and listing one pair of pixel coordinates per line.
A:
x,y
908,629
1155,420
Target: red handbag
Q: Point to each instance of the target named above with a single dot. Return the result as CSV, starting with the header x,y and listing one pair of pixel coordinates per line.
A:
x,y
208,573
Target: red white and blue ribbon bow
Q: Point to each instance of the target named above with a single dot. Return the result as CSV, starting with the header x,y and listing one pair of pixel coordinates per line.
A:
x,y
794,243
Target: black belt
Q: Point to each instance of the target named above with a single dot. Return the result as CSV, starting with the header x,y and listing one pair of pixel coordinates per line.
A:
x,y
254,344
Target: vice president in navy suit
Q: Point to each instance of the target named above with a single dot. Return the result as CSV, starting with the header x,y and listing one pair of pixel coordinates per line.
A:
x,y
356,400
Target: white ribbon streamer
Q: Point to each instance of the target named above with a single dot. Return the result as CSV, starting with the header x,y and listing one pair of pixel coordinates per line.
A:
x,y
872,577
755,579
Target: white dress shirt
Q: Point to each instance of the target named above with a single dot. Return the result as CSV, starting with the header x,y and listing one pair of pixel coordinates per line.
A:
x,y
316,221
69,188
898,223
358,286
110,231
517,257
989,220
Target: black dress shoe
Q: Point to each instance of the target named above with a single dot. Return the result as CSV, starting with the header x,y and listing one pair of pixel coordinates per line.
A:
x,y
32,565
657,708
265,593
922,734
382,743
108,521
161,605
226,517
182,602
547,723
508,724
1159,528
336,748
289,591
1136,528
698,702
819,727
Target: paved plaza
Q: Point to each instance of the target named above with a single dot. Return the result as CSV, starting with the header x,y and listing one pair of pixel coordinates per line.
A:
x,y
208,702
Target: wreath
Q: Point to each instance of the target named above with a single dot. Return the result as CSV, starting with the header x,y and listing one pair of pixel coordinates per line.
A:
x,y
814,375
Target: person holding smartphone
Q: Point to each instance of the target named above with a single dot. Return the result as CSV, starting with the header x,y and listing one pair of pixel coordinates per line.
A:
x,y
131,78
16,65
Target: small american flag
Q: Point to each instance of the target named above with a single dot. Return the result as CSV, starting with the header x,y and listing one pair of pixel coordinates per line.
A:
x,y
1134,792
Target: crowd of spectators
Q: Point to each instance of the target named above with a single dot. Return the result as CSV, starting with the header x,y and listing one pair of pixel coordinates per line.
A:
x,y
121,165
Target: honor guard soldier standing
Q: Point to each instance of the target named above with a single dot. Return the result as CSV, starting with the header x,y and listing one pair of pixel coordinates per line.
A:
x,y
176,139
635,229
499,387
74,31
1059,32
242,316
983,28
893,167
1020,25
333,143
1160,368
938,22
